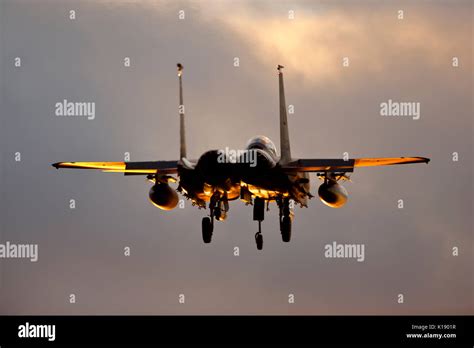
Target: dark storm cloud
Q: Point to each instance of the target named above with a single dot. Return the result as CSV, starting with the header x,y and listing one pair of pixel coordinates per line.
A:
x,y
336,110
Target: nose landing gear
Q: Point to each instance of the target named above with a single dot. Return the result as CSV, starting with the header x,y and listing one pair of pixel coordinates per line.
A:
x,y
221,209
259,215
259,239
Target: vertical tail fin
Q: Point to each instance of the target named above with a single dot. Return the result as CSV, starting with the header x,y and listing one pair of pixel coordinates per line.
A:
x,y
285,152
182,133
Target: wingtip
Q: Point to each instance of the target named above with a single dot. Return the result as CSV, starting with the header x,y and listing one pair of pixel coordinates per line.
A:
x,y
427,160
56,165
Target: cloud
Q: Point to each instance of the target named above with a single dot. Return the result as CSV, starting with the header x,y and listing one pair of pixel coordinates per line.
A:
x,y
315,42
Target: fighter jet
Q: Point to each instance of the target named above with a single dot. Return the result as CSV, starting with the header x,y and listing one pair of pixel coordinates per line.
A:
x,y
257,175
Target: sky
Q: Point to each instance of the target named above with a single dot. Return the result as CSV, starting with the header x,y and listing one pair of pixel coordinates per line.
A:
x,y
408,251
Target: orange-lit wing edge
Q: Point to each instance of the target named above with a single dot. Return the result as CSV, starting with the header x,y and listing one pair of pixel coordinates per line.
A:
x,y
340,165
91,165
319,165
132,168
388,161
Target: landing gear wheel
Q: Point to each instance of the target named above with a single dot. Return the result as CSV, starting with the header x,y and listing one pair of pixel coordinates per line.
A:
x,y
258,209
259,240
285,226
207,229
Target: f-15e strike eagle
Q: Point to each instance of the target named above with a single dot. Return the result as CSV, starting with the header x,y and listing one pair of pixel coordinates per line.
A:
x,y
218,177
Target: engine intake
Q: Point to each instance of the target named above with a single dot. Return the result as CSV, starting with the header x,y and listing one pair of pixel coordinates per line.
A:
x,y
332,194
163,196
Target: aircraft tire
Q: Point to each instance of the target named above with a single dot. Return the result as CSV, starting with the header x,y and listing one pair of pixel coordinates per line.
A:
x,y
285,227
259,240
206,230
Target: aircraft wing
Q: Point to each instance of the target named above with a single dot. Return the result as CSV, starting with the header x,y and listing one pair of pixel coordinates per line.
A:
x,y
128,168
340,165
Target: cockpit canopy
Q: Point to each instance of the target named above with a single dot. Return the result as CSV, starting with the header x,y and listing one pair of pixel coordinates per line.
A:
x,y
262,142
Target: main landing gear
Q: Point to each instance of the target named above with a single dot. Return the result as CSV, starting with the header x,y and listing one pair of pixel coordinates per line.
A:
x,y
285,219
259,215
218,206
207,229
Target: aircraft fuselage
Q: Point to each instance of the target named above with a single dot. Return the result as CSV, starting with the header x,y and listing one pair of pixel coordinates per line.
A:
x,y
254,169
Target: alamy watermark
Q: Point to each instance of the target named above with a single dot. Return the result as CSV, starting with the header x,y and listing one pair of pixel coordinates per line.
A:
x,y
345,251
19,251
67,108
401,109
237,156
28,330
